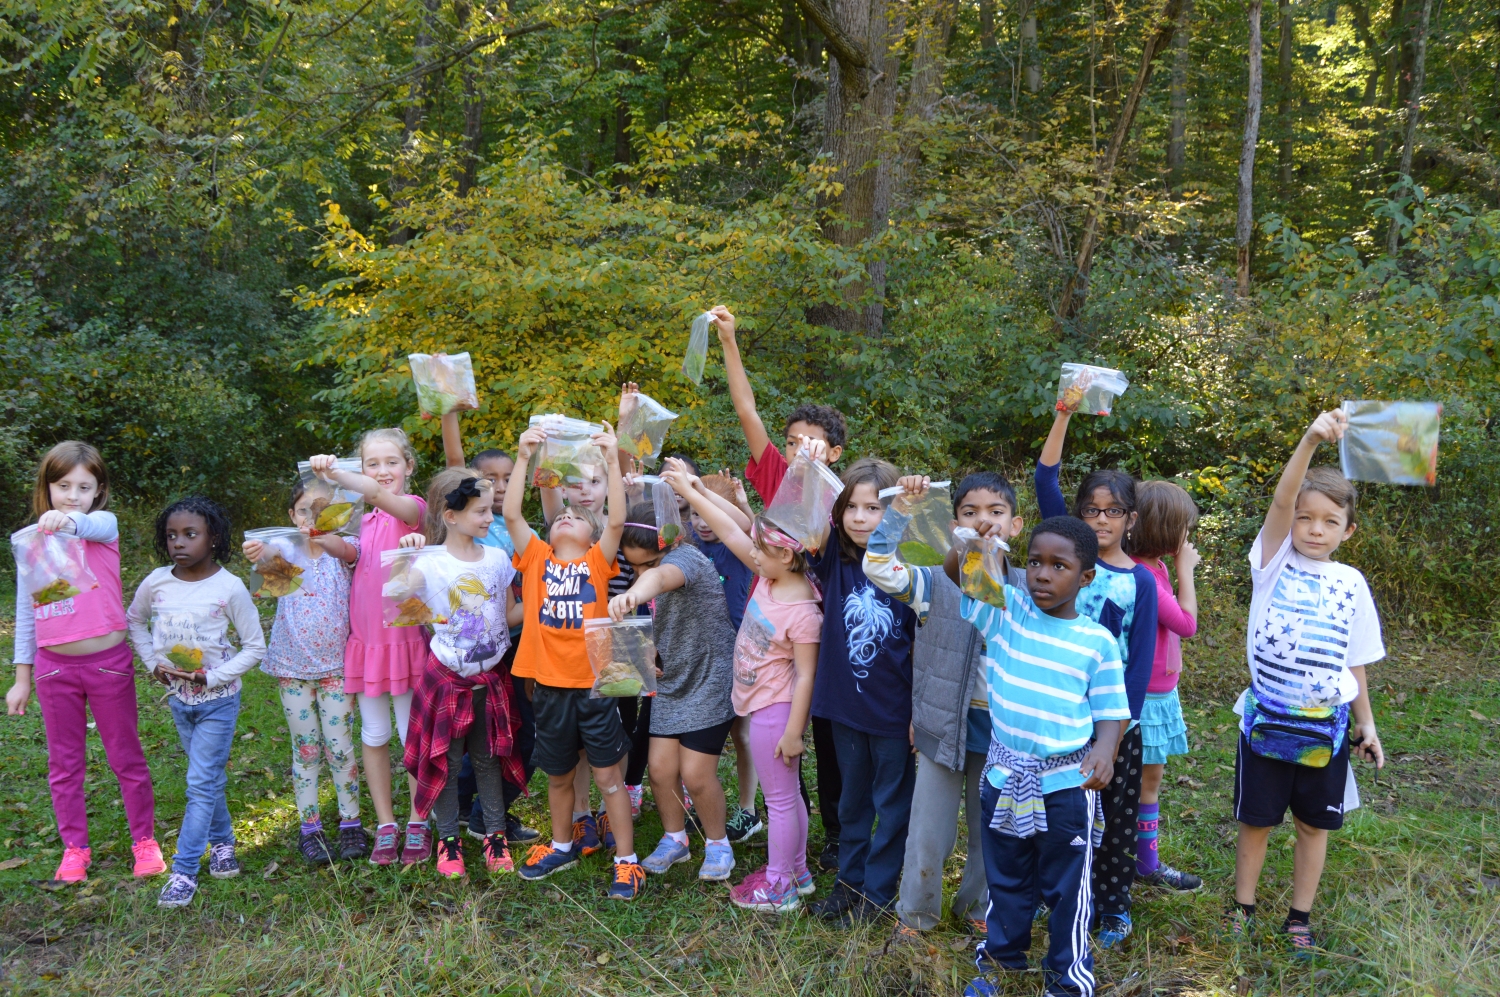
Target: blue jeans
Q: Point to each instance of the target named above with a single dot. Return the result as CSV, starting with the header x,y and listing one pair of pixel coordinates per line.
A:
x,y
879,774
207,735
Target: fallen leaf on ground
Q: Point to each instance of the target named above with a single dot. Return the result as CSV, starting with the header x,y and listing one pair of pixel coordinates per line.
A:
x,y
270,870
14,863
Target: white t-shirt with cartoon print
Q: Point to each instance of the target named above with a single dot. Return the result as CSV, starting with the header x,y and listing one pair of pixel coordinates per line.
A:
x,y
475,636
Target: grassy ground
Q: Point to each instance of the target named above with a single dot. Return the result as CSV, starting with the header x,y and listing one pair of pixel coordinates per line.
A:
x,y
1410,903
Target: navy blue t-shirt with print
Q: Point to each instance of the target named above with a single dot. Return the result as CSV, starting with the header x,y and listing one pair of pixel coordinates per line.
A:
x,y
733,574
864,661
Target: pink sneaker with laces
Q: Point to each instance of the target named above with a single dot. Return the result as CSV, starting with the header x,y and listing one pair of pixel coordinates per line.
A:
x,y
756,893
74,867
148,859
418,846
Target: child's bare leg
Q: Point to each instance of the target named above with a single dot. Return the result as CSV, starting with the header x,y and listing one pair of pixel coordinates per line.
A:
x,y
701,773
1249,858
581,775
1151,776
666,771
1308,856
744,763
617,804
377,759
560,806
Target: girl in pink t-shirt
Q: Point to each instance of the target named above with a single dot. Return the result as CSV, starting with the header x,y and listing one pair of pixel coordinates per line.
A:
x,y
1167,516
76,649
775,661
382,663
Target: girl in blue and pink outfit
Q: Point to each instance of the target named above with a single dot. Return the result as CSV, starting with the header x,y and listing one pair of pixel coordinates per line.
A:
x,y
75,651
381,664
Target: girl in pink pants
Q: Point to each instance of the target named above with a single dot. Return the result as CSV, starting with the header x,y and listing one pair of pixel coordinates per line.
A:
x,y
73,649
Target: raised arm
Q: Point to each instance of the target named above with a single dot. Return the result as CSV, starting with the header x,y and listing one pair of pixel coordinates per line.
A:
x,y
912,586
515,492
404,507
675,473
1328,427
1049,494
453,440
740,392
614,526
1179,612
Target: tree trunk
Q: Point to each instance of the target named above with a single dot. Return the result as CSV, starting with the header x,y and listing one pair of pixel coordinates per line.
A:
x,y
1284,98
1177,133
1244,227
1031,58
987,27
1076,287
1413,107
418,106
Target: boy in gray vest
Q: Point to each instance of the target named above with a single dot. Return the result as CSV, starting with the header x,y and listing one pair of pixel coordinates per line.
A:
x,y
950,727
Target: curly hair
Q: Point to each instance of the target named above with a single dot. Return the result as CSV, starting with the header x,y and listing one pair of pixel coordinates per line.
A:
x,y
1075,531
214,517
827,418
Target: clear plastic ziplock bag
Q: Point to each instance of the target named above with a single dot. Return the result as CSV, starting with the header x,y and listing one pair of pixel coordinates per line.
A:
x,y
445,382
1093,390
644,422
51,566
285,557
567,451
696,357
981,566
622,655
185,638
668,514
334,509
1391,442
414,593
927,539
804,503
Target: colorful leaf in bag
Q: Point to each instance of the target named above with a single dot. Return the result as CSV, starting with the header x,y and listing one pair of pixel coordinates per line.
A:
x,y
981,566
918,554
622,655
445,382
927,538
415,591
189,659
668,513
1089,389
284,559
51,567
333,508
1391,442
567,455
804,503
644,422
696,357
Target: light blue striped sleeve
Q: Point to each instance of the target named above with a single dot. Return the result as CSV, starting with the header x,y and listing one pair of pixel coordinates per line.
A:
x,y
886,572
1107,698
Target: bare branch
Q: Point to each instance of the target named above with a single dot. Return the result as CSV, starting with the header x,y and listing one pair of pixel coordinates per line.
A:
x,y
845,48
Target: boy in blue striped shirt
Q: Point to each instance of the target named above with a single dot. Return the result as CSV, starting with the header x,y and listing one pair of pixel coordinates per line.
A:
x,y
1057,709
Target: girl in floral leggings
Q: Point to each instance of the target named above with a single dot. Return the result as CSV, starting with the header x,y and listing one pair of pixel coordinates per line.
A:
x,y
306,655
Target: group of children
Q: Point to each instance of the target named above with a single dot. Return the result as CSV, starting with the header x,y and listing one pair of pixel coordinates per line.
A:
x,y
1048,721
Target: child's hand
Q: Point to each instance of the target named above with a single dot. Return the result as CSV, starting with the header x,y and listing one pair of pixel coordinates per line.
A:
x,y
740,498
914,486
623,605
253,549
675,473
629,398
789,749
323,465
1328,427
1098,767
816,449
1366,745
53,521
1187,556
412,541
532,438
723,324
17,697
605,440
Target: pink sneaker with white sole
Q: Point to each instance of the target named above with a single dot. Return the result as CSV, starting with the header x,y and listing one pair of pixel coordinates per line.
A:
x,y
74,867
148,858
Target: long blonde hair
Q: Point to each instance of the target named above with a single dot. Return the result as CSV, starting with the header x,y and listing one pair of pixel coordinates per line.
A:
x,y
57,463
438,488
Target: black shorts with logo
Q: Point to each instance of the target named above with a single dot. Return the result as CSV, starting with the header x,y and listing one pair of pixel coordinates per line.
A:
x,y
1265,787
568,721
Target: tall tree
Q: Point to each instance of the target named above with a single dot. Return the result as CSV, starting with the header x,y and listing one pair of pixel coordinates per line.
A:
x,y
1413,106
1177,126
1284,123
1244,226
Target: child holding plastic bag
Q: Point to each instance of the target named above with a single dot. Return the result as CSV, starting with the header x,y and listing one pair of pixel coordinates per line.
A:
x,y
306,656
692,711
775,665
1300,730
381,663
863,688
1122,598
950,705
179,623
464,696
1167,518
564,581
76,650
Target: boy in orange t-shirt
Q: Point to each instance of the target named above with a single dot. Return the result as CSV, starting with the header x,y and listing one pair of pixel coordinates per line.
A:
x,y
564,581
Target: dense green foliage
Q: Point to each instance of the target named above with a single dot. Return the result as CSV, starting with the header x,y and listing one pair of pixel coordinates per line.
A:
x,y
229,223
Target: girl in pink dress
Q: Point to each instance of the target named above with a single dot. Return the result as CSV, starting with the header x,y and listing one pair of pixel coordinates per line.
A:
x,y
381,664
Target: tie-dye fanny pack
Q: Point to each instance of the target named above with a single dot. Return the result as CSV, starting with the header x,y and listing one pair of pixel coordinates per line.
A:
x,y
1303,736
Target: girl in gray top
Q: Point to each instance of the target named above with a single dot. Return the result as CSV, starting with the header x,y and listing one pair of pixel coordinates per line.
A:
x,y
693,711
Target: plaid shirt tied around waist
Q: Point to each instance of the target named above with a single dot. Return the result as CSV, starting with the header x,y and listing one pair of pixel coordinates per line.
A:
x,y
1021,810
443,711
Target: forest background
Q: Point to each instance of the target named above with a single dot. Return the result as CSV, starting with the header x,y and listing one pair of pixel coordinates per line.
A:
x,y
228,222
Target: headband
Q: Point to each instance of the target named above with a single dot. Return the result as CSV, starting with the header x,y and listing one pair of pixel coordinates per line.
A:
x,y
643,526
773,537
459,497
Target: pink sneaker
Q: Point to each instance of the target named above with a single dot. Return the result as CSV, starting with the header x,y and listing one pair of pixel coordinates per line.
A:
x,y
386,848
418,847
148,860
74,867
450,863
637,794
497,856
757,893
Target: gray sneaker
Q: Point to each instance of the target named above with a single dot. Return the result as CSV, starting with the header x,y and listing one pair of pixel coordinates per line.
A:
x,y
1172,879
179,891
221,861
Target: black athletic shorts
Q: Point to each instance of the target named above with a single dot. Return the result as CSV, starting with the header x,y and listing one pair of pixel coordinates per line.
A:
x,y
709,740
567,720
1265,787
